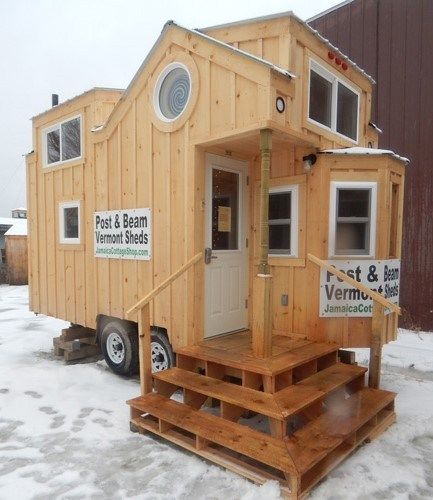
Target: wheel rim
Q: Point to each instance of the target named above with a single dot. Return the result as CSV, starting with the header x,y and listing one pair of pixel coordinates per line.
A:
x,y
159,355
115,348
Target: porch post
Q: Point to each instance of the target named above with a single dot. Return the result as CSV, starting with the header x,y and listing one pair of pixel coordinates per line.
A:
x,y
262,285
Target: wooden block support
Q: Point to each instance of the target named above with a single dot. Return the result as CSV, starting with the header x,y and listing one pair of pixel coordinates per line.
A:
x,y
376,346
144,349
262,320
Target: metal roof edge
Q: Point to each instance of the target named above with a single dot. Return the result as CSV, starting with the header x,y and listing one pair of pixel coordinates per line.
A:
x,y
328,11
93,89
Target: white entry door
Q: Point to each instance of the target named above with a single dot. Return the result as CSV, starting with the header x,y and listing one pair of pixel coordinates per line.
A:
x,y
225,242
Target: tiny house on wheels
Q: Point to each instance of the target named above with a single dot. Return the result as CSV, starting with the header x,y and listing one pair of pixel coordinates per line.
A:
x,y
226,226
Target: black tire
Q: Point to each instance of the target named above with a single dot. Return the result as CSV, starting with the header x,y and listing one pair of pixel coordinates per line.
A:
x,y
161,352
119,345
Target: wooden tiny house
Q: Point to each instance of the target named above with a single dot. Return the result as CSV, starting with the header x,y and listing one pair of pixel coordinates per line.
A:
x,y
217,201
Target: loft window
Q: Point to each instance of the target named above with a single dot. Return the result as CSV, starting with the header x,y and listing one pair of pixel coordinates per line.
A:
x,y
352,219
69,222
283,221
332,103
62,142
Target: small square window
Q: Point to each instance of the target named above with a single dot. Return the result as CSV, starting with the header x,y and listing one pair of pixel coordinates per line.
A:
x,y
69,222
283,223
352,218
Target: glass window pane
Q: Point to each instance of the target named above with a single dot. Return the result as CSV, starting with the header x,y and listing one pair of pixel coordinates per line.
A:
x,y
71,139
70,217
279,238
347,112
279,206
225,206
352,238
174,93
320,99
353,202
53,146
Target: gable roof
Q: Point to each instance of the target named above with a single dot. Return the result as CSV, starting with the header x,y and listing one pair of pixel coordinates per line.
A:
x,y
170,24
290,14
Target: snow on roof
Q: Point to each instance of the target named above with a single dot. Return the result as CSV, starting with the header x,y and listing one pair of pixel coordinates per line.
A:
x,y
21,209
18,229
7,221
365,151
305,25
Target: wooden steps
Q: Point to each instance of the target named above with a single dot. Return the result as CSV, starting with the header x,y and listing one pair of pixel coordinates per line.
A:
x,y
241,439
318,409
318,438
250,399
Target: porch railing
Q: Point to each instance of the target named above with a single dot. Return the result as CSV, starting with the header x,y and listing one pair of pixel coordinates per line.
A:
x,y
143,310
378,331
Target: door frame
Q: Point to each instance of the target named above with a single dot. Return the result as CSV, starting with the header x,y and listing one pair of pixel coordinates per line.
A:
x,y
240,167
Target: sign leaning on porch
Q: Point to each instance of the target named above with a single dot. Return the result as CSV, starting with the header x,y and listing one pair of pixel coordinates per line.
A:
x,y
122,234
338,299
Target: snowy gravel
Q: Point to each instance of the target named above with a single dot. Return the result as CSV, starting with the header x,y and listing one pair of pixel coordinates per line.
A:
x,y
64,430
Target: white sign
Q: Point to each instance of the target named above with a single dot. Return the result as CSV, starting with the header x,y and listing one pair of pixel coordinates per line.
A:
x,y
122,234
338,299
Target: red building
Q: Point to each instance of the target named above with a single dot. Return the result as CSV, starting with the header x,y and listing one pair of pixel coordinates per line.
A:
x,y
393,41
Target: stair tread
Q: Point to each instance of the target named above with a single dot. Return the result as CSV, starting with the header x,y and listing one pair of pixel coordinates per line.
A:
x,y
319,437
237,437
333,377
301,352
250,399
294,398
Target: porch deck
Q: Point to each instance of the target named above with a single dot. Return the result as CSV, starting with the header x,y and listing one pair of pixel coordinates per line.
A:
x,y
235,350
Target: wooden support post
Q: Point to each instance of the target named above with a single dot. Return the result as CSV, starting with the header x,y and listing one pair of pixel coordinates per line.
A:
x,y
376,346
144,350
262,318
265,167
262,285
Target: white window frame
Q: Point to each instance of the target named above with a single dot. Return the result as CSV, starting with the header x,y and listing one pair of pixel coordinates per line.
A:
x,y
335,185
294,219
57,126
334,80
62,239
170,67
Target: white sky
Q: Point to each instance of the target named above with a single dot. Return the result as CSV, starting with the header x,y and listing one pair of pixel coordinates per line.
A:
x,y
69,46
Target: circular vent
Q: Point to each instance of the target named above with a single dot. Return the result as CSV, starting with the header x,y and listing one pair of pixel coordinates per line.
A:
x,y
172,91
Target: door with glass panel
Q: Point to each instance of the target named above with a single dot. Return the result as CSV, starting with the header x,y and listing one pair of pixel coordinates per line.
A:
x,y
225,246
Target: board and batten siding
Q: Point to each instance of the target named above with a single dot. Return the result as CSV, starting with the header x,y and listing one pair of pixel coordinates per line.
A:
x,y
393,40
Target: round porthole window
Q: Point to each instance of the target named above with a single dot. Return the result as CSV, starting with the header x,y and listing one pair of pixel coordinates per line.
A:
x,y
172,92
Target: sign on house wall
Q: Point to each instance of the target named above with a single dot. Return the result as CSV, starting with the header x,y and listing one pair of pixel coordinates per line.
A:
x,y
338,299
122,234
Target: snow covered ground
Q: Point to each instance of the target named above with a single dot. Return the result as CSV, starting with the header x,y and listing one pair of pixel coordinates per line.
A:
x,y
64,430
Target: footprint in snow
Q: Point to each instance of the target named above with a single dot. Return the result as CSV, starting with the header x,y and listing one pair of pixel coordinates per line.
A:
x,y
4,390
77,425
48,410
57,422
103,422
33,394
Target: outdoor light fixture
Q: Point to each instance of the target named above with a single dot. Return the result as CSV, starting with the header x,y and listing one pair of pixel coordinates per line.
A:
x,y
309,161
